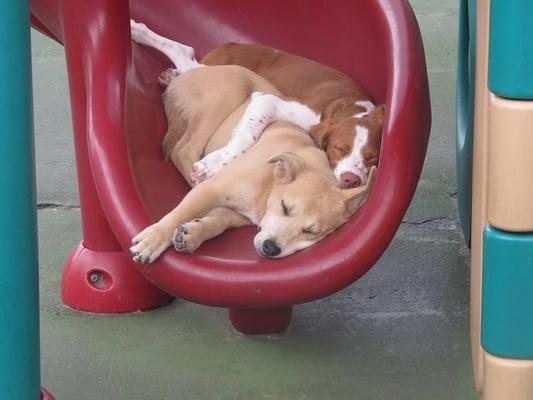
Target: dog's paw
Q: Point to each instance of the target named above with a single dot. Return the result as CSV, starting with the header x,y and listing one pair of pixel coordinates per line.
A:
x,y
148,245
199,173
187,237
208,166
166,76
138,32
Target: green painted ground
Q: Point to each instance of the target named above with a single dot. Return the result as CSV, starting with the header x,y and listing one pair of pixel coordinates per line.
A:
x,y
399,333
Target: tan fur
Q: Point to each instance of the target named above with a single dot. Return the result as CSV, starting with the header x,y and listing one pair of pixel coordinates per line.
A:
x,y
177,125
204,110
283,165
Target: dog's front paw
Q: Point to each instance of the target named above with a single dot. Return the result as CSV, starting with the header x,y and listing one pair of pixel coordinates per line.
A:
x,y
166,76
187,237
207,167
148,245
199,172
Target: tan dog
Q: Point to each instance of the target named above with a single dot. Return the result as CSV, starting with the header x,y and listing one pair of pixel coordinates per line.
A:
x,y
332,107
283,183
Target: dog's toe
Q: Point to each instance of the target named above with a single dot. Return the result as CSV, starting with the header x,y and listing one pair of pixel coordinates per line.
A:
x,y
199,172
179,241
195,179
149,244
186,237
166,76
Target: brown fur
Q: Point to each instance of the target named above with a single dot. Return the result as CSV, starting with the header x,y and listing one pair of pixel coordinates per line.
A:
x,y
312,83
324,89
338,146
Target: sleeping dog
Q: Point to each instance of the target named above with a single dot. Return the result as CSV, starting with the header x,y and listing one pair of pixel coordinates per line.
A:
x,y
282,183
340,116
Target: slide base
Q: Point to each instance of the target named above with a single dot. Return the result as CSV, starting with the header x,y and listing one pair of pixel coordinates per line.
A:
x,y
107,282
252,321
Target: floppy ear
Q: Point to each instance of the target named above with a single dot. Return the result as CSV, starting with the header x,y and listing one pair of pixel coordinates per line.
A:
x,y
354,198
336,106
320,134
287,166
378,114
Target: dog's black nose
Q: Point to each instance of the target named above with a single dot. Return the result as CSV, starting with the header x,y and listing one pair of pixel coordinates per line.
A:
x,y
270,248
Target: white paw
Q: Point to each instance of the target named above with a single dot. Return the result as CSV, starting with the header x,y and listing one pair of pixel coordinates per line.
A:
x,y
138,32
166,76
148,245
187,237
207,167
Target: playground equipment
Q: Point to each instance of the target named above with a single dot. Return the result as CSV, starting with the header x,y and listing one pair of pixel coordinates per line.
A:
x,y
19,292
495,158
125,184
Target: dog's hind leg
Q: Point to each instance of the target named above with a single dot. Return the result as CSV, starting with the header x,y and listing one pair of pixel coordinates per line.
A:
x,y
177,126
263,109
182,56
190,235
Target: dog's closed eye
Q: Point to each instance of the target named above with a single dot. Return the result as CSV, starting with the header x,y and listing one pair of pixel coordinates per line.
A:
x,y
309,231
342,150
285,208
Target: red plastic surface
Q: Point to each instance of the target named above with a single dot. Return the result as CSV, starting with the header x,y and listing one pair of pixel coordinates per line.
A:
x,y
45,395
116,104
252,321
99,281
100,249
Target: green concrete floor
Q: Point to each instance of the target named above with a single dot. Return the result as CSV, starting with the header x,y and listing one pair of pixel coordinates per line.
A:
x,y
401,332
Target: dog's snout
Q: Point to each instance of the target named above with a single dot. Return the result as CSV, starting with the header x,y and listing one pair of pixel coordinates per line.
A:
x,y
350,180
270,248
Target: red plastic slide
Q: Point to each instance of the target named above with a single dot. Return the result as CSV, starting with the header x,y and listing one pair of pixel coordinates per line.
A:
x,y
125,184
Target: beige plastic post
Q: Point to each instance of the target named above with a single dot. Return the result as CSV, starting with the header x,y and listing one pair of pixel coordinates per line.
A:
x,y
510,184
479,187
506,198
507,379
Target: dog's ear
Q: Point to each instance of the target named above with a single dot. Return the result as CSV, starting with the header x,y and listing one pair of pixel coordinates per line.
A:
x,y
354,198
287,166
377,115
335,107
374,123
320,134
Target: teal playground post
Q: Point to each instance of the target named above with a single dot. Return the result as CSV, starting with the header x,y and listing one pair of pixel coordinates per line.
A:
x,y
466,79
19,294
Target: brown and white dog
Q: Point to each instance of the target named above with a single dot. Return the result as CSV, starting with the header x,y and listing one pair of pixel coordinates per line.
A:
x,y
292,194
338,113
350,124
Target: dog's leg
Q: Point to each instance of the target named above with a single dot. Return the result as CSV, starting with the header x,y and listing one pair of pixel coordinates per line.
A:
x,y
263,109
190,235
152,241
182,56
188,150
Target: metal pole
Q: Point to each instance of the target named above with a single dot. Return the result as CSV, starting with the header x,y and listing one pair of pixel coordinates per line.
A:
x,y
19,294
